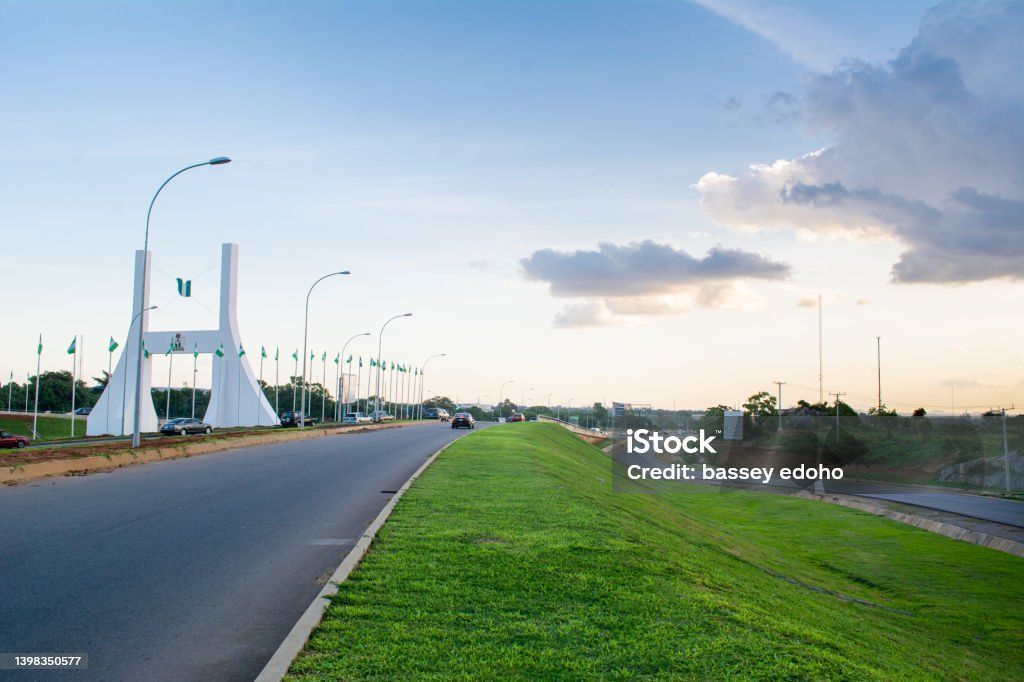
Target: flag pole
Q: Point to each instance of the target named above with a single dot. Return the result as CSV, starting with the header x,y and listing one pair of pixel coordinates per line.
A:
x,y
277,379
35,410
10,392
110,367
323,397
263,354
295,374
74,364
170,365
195,358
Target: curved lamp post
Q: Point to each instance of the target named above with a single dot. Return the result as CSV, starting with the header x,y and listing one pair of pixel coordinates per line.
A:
x,y
136,432
501,394
380,341
419,414
522,399
124,379
305,339
341,389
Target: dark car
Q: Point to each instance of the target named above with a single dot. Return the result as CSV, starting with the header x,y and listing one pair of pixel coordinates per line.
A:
x,y
293,419
10,440
83,410
184,426
463,420
438,413
517,417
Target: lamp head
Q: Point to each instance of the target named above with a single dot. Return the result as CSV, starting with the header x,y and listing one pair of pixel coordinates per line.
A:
x,y
344,272
219,161
407,315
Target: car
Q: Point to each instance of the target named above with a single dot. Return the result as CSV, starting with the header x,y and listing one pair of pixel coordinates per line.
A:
x,y
10,440
438,413
517,417
185,426
83,411
381,416
463,420
293,419
356,418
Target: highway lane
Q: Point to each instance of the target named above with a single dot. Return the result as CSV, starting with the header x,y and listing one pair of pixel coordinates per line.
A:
x,y
194,568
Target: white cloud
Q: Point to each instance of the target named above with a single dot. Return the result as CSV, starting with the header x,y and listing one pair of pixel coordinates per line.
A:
x,y
929,150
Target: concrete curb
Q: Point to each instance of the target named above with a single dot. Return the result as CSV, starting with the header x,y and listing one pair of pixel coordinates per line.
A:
x,y
277,667
171,450
949,530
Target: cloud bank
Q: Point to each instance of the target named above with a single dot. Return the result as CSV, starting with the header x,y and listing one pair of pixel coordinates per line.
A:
x,y
929,150
647,278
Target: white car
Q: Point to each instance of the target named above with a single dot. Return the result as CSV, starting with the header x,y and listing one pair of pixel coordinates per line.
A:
x,y
356,418
381,416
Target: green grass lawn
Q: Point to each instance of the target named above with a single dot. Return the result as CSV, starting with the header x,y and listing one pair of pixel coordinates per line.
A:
x,y
512,557
50,428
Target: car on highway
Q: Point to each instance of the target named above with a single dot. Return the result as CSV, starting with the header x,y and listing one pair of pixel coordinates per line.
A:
x,y
517,417
11,440
463,420
185,426
84,411
356,418
438,413
293,419
381,416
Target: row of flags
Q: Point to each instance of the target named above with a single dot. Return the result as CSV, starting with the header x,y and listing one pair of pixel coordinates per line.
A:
x,y
374,362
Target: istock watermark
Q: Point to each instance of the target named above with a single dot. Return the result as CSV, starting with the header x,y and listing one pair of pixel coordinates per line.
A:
x,y
644,441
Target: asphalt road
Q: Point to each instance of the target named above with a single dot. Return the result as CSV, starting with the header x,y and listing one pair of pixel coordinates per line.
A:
x,y
193,569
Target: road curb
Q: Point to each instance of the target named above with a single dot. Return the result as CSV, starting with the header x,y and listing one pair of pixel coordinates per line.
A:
x,y
949,530
277,667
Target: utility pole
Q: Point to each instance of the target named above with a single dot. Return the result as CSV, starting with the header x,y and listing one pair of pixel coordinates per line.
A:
x,y
838,396
780,384
1006,449
821,358
878,340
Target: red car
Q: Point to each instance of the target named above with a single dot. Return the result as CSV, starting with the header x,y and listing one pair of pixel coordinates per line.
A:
x,y
9,440
517,417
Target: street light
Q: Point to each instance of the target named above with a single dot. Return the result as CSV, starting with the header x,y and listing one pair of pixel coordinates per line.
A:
x,y
341,358
305,339
136,432
380,343
124,377
423,367
501,394
522,399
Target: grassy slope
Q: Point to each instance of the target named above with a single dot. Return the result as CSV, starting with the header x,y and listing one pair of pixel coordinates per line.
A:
x,y
512,556
49,427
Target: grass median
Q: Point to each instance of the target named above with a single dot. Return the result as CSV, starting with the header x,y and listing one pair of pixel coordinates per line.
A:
x,y
512,557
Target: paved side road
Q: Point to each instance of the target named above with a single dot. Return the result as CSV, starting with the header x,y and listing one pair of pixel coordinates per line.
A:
x,y
193,569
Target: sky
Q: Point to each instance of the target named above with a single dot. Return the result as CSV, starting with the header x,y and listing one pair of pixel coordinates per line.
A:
x,y
631,201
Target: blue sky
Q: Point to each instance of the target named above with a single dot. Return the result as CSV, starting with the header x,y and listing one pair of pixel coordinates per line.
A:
x,y
429,147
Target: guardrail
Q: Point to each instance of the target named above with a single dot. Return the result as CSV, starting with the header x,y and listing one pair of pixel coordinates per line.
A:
x,y
589,434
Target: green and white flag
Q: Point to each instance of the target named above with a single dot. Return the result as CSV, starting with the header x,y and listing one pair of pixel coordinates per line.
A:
x,y
145,351
170,348
373,363
349,361
263,352
195,351
324,358
241,351
184,287
112,346
277,351
295,355
220,351
360,361
39,348
71,348
337,358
